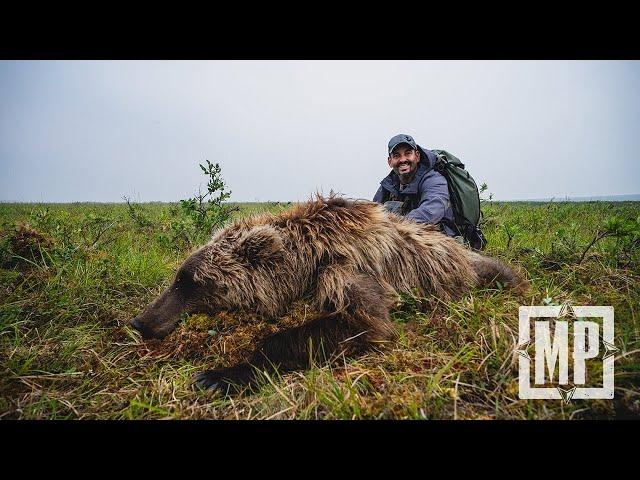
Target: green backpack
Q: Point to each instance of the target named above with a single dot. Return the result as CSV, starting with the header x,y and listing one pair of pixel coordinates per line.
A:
x,y
464,196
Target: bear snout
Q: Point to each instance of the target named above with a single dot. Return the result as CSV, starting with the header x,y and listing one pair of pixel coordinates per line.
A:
x,y
136,324
144,330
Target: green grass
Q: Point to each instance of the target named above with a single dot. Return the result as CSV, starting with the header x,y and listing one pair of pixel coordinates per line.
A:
x,y
66,299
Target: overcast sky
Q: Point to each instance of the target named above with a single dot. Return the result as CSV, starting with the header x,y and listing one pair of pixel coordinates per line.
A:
x,y
98,130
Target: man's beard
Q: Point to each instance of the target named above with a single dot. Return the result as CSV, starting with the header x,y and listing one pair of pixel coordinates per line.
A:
x,y
406,177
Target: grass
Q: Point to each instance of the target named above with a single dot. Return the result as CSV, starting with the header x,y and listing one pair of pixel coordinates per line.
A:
x,y
73,276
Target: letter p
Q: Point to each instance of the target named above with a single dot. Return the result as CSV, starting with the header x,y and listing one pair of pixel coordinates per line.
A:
x,y
580,351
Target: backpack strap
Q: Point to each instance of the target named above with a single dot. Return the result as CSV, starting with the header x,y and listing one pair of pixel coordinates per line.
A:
x,y
452,225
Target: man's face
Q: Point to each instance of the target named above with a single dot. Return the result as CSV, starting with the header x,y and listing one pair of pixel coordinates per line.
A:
x,y
404,161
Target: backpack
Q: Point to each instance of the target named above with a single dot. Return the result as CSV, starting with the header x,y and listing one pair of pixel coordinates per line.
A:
x,y
464,196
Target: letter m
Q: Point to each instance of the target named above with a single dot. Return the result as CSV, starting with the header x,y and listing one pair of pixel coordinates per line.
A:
x,y
551,351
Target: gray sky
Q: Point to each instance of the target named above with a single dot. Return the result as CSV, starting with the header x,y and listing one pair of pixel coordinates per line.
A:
x,y
98,130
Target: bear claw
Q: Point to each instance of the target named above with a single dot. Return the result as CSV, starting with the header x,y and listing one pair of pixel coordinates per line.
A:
x,y
210,380
226,380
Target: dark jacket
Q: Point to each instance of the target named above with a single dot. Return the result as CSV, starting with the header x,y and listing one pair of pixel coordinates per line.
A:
x,y
427,194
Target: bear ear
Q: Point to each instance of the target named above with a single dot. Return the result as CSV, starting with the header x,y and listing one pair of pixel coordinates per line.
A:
x,y
259,245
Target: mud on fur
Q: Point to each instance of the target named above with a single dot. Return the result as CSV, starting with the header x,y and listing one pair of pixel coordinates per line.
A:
x,y
350,258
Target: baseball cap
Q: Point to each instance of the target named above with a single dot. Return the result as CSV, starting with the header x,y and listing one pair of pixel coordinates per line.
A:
x,y
401,138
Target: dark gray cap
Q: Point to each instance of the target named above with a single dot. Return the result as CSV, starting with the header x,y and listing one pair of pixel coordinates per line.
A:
x,y
401,138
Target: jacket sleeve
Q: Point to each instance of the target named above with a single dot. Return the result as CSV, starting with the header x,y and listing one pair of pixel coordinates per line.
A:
x,y
379,195
434,199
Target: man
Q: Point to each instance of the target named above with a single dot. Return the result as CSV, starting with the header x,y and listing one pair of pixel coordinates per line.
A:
x,y
413,188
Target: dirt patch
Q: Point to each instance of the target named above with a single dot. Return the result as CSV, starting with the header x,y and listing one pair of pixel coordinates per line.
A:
x,y
27,245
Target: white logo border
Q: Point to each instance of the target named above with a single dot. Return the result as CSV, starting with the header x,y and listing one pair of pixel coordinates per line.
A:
x,y
527,392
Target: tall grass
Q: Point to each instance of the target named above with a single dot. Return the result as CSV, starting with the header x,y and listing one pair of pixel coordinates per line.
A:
x,y
80,272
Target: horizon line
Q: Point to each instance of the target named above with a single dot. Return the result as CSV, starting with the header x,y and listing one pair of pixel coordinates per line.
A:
x,y
564,198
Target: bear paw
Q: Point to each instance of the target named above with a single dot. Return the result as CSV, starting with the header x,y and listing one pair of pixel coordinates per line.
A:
x,y
224,380
212,380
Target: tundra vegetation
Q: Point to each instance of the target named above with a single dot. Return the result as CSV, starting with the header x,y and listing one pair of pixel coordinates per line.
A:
x,y
72,276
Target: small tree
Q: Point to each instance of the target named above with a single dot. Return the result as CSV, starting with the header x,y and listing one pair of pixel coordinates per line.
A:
x,y
484,188
510,230
615,227
136,214
204,212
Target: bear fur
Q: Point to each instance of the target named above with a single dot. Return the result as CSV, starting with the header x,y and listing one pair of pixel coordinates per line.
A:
x,y
349,258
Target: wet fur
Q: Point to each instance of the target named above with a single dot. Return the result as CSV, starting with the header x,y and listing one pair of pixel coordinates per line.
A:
x,y
349,257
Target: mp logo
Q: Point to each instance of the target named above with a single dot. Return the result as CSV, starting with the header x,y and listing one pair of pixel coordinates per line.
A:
x,y
576,338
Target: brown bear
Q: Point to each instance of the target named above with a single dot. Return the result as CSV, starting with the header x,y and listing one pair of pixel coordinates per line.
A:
x,y
350,258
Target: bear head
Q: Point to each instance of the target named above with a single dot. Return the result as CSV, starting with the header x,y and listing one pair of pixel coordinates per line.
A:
x,y
225,274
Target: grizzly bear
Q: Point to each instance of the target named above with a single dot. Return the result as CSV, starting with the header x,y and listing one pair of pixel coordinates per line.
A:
x,y
349,258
